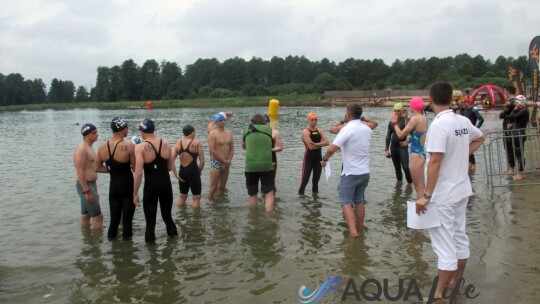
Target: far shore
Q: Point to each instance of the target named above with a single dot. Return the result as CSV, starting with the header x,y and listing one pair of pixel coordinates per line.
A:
x,y
237,102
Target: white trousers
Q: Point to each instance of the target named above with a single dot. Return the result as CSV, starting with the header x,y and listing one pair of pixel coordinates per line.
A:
x,y
449,241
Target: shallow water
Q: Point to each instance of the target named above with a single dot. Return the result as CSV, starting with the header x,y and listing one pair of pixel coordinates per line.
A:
x,y
226,253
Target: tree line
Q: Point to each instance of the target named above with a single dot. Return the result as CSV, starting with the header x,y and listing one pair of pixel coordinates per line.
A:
x,y
209,78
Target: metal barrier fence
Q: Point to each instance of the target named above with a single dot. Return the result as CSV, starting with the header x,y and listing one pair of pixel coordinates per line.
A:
x,y
501,148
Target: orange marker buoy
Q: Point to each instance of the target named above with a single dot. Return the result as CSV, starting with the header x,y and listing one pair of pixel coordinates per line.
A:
x,y
149,105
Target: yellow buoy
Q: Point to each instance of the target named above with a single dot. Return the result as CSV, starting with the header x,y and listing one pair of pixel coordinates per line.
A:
x,y
273,107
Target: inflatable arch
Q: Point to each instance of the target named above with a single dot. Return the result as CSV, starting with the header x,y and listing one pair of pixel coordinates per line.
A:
x,y
491,89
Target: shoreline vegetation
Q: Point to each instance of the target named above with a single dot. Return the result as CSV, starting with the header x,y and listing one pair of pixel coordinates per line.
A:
x,y
308,100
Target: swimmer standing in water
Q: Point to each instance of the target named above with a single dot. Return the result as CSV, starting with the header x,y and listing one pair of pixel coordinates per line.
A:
x,y
314,139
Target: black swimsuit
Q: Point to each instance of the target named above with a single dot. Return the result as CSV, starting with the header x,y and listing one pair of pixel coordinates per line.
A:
x,y
157,187
120,195
190,173
312,162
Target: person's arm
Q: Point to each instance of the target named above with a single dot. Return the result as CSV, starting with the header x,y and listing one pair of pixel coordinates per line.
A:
x,y
324,140
335,128
388,136
201,157
131,151
479,118
100,167
278,144
407,130
172,159
79,160
329,152
231,150
228,114
432,176
371,123
137,178
307,140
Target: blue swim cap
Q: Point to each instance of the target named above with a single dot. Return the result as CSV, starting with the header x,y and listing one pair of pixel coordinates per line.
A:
x,y
136,139
219,117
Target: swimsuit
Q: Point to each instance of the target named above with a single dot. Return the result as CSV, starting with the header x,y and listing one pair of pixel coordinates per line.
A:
x,y
157,187
120,195
190,173
216,164
312,162
416,145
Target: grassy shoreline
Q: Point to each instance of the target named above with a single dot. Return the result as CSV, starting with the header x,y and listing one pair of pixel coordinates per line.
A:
x,y
311,100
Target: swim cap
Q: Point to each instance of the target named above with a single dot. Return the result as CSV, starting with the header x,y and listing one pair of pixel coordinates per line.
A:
x,y
417,104
521,99
147,126
118,124
136,139
398,106
188,129
87,128
311,116
220,117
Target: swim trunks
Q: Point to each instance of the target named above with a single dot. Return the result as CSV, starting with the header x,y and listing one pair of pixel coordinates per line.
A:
x,y
216,164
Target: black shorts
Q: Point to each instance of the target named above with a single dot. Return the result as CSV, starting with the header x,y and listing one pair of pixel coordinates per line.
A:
x,y
252,182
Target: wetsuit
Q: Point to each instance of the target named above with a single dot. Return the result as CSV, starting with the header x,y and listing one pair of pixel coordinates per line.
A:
x,y
476,119
190,173
120,195
157,186
520,118
312,162
399,154
508,143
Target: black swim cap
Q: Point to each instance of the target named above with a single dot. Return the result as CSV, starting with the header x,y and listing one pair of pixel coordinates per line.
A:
x,y
147,126
118,124
188,129
87,128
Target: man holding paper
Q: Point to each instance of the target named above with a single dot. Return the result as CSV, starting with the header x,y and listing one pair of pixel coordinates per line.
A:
x,y
450,140
354,140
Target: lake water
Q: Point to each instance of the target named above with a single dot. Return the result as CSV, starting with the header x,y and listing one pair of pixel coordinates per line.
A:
x,y
226,253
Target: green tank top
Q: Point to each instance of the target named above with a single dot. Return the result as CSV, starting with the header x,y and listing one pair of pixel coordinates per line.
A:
x,y
258,139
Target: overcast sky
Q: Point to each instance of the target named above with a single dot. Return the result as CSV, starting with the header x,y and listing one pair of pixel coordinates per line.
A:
x,y
69,39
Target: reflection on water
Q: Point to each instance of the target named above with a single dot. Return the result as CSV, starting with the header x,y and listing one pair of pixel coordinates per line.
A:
x,y
225,252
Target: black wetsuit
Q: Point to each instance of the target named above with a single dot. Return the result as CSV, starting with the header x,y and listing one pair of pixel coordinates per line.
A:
x,y
190,173
312,162
520,118
120,195
157,186
399,154
508,142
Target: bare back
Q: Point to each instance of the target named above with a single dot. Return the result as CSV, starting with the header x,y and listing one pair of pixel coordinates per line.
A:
x,y
124,150
148,153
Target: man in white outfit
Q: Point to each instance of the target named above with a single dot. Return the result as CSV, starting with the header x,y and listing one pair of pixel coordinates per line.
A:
x,y
450,140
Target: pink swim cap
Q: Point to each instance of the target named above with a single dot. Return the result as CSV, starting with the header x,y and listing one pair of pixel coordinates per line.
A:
x,y
417,104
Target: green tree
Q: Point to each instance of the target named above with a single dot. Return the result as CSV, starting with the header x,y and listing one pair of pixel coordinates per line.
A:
x,y
14,89
201,73
130,80
150,76
232,74
82,94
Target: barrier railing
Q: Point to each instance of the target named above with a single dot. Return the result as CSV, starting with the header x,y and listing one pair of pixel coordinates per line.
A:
x,y
520,148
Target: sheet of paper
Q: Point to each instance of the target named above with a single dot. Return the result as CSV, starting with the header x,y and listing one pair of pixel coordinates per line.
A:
x,y
428,219
327,171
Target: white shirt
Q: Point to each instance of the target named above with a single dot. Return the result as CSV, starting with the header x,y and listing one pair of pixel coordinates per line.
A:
x,y
354,140
451,134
